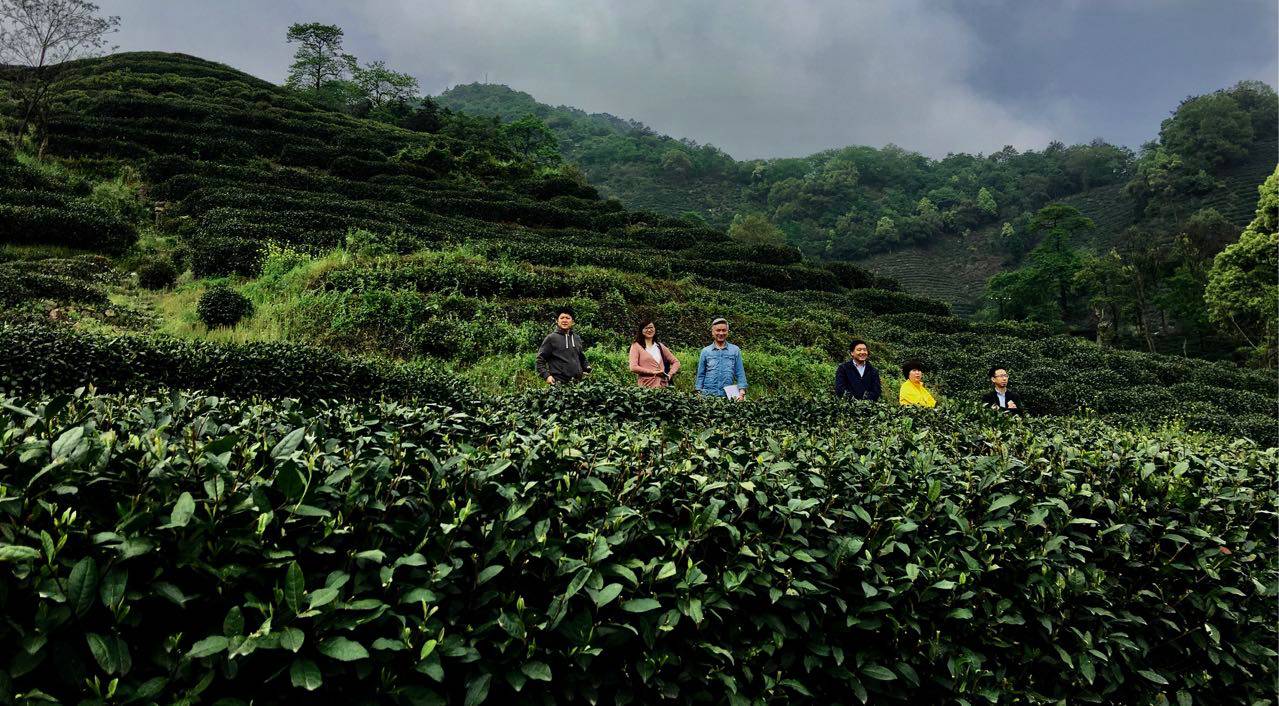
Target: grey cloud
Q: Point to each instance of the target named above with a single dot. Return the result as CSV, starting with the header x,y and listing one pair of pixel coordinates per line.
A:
x,y
779,78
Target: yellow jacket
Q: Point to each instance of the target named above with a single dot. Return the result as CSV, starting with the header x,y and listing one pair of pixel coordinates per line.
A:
x,y
916,394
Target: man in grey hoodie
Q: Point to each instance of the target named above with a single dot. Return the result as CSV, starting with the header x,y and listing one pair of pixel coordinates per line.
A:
x,y
561,357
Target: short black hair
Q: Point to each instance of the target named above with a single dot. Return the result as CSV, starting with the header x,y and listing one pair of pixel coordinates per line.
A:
x,y
996,369
857,342
565,310
912,365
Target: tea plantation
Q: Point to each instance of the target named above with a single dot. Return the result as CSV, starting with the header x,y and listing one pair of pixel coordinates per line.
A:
x,y
345,483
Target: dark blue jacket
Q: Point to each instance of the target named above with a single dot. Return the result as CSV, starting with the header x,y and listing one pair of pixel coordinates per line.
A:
x,y
859,387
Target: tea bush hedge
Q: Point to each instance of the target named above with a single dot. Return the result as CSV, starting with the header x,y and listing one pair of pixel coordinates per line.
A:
x,y
202,548
50,359
157,273
221,305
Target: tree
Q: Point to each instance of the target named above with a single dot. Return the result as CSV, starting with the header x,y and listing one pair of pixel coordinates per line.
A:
x,y
886,231
676,162
39,35
428,117
986,202
530,138
319,58
1105,281
1208,132
755,229
1242,293
382,86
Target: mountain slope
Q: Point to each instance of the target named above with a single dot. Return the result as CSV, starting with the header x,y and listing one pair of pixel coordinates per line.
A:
x,y
447,248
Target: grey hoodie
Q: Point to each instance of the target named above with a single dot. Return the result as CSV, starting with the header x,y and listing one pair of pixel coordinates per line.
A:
x,y
561,356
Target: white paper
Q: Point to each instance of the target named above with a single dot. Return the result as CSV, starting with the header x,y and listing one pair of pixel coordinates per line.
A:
x,y
731,391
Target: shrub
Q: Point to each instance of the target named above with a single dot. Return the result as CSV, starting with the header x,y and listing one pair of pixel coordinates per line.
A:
x,y
157,273
222,306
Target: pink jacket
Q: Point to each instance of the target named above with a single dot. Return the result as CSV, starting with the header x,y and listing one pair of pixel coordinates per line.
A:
x,y
647,369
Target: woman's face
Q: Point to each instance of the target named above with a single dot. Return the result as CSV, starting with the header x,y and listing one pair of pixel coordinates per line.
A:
x,y
650,331
917,375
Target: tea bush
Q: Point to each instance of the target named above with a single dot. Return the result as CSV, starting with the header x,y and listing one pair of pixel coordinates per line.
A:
x,y
222,306
602,545
157,273
51,359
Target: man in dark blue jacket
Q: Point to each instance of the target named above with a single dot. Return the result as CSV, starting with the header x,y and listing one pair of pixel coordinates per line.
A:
x,y
856,377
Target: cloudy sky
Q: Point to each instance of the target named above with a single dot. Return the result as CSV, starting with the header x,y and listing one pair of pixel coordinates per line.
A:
x,y
774,78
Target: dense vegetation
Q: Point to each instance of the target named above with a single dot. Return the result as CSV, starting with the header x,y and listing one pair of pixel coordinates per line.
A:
x,y
359,489
1146,277
842,204
556,551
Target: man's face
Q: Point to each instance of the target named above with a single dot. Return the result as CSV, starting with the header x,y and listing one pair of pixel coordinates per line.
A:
x,y
719,332
565,321
1000,378
861,353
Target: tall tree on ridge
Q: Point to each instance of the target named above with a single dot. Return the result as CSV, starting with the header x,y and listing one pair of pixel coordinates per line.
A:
x,y
40,34
319,58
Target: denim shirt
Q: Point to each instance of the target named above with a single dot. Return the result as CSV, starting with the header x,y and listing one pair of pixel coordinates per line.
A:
x,y
718,368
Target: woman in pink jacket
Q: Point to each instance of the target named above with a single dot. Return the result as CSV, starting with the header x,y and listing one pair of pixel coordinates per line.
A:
x,y
653,363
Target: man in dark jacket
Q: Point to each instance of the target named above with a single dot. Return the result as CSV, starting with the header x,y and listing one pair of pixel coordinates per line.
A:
x,y
1002,397
560,357
856,377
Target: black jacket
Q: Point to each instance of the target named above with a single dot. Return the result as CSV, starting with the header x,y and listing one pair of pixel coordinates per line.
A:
x,y
1010,395
860,387
561,356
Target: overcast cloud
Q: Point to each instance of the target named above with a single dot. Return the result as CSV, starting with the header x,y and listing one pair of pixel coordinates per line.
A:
x,y
781,78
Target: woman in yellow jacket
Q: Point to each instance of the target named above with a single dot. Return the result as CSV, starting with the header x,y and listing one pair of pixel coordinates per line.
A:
x,y
912,391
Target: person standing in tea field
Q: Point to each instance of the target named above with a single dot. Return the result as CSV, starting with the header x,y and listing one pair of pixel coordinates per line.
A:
x,y
1002,397
913,392
561,357
720,371
856,377
653,363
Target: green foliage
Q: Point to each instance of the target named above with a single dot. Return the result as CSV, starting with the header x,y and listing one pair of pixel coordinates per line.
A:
x,y
157,273
836,197
755,229
1242,294
566,548
222,306
1204,135
75,280
532,140
53,359
986,202
1043,289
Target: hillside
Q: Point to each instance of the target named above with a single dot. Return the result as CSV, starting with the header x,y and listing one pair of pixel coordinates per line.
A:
x,y
358,490
968,261
624,158
830,204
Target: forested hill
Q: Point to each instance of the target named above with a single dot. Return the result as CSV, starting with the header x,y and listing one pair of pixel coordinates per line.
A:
x,y
843,203
1166,210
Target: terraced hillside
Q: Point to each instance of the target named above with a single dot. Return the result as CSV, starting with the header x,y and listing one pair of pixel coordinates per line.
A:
x,y
360,492
378,241
952,270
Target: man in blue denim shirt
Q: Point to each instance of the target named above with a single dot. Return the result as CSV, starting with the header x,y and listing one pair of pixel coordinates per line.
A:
x,y
720,364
